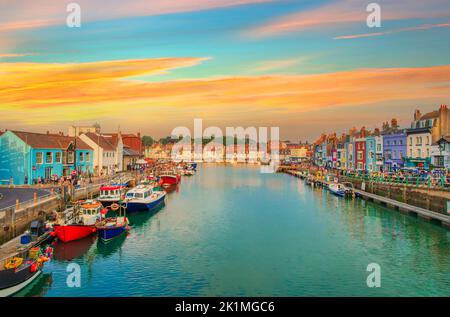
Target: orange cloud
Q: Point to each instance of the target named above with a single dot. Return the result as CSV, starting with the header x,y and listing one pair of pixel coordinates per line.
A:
x,y
36,94
408,29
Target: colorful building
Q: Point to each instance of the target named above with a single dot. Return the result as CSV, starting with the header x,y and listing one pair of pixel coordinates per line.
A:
x,y
27,157
394,146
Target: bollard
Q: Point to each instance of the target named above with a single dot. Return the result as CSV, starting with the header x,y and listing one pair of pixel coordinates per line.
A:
x,y
17,204
35,197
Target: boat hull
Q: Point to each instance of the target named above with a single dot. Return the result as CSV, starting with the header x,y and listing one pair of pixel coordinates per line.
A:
x,y
169,180
338,193
142,206
107,234
12,282
67,233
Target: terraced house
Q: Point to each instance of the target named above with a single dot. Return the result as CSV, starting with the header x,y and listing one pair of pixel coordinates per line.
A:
x,y
27,157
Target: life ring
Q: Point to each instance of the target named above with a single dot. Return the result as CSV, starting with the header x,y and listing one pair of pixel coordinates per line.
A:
x,y
115,206
13,263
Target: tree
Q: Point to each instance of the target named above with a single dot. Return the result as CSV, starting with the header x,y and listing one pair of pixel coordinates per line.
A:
x,y
147,140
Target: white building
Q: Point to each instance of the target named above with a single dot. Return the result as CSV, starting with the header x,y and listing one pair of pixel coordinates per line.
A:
x,y
418,143
106,160
440,153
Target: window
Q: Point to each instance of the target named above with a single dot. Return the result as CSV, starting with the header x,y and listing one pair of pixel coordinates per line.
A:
x,y
419,153
410,153
400,142
39,158
428,152
58,157
410,141
428,140
81,157
360,155
394,154
88,157
70,157
49,157
378,147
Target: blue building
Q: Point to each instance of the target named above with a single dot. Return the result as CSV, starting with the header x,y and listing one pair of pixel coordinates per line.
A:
x,y
25,157
394,146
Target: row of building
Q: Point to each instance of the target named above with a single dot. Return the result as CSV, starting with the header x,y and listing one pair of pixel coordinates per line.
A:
x,y
425,144
28,158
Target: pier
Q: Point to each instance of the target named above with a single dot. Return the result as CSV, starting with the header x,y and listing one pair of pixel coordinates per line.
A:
x,y
421,212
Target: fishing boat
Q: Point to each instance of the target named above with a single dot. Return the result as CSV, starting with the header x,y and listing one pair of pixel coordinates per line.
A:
x,y
78,222
111,194
169,179
39,233
143,198
21,269
338,189
113,227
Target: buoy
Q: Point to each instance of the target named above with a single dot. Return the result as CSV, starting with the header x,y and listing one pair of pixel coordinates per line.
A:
x,y
33,268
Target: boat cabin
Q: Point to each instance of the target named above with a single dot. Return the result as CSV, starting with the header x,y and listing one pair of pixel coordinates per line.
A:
x,y
111,192
140,192
90,212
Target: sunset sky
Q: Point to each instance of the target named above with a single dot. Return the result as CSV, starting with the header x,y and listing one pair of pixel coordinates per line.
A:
x,y
307,66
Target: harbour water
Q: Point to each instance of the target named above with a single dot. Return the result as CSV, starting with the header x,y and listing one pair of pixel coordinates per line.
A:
x,y
231,231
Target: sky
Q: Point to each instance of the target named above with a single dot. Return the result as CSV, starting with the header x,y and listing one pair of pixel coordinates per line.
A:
x,y
148,66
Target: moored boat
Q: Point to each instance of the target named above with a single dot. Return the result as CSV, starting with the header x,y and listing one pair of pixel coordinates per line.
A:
x,y
111,194
169,179
337,189
20,270
78,222
143,198
110,228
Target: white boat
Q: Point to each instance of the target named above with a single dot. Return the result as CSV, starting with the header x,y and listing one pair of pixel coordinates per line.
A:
x,y
143,198
111,194
337,189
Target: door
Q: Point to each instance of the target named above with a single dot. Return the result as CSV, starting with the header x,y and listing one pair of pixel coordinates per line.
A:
x,y
48,172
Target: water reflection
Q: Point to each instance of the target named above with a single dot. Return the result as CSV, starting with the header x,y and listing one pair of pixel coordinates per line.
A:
x,y
38,288
108,249
72,250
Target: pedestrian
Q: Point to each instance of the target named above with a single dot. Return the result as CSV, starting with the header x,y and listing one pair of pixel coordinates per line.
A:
x,y
11,181
26,180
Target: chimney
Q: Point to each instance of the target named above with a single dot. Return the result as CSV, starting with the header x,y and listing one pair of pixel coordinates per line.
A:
x,y
363,132
48,132
417,115
394,124
139,135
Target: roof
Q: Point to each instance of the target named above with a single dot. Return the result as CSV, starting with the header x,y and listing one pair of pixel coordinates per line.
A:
x,y
430,115
101,141
127,151
50,141
442,139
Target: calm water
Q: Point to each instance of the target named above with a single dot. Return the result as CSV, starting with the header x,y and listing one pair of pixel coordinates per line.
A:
x,y
231,231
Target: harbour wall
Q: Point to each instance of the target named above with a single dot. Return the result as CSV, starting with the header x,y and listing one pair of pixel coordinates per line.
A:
x,y
431,199
16,220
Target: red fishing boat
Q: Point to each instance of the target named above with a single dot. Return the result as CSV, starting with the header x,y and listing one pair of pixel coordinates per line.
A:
x,y
169,179
76,223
